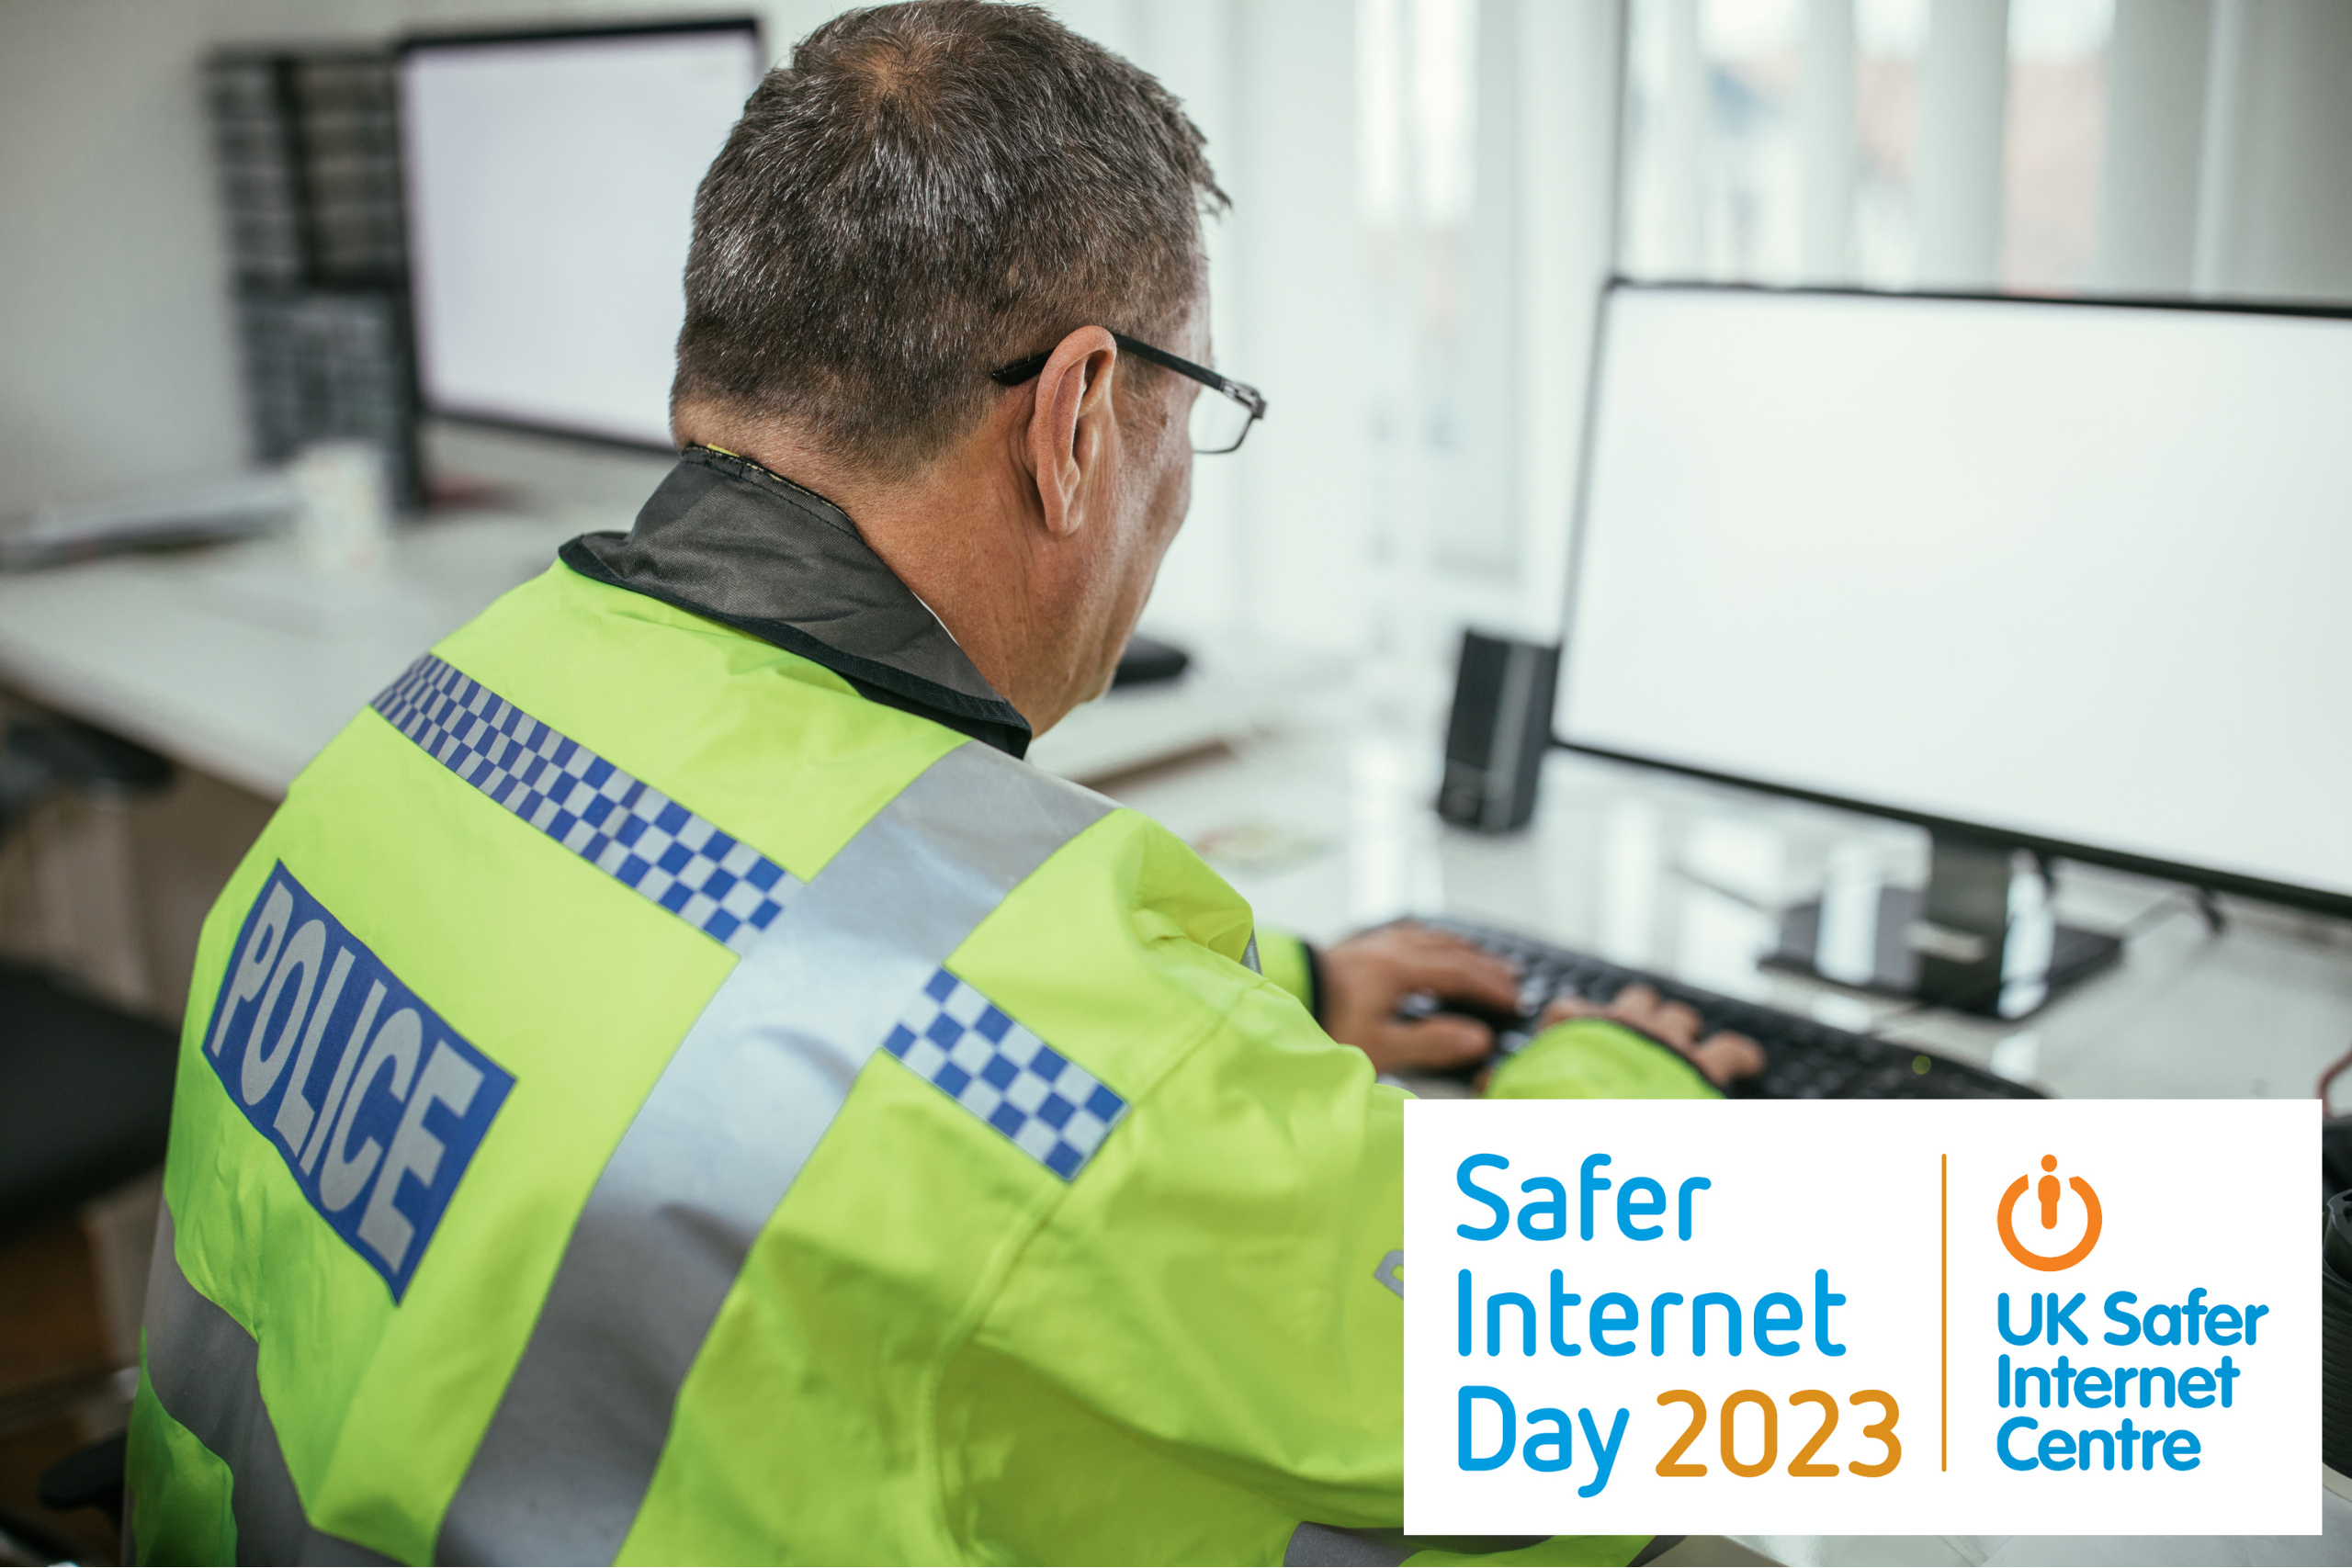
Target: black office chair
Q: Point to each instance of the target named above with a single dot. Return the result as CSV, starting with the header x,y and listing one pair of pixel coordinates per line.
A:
x,y
88,1478
85,1091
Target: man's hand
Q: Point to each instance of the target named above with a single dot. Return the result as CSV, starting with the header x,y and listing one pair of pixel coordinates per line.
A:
x,y
1722,1056
1366,976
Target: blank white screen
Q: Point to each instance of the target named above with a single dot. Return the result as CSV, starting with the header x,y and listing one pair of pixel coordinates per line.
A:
x,y
550,189
2080,572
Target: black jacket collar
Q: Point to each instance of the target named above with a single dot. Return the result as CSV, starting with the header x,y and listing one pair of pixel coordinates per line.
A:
x,y
728,540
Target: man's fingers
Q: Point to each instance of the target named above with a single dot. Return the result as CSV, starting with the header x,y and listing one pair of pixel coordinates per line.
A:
x,y
1636,1005
1724,1057
1433,1045
1562,1009
1728,1057
1450,968
1677,1023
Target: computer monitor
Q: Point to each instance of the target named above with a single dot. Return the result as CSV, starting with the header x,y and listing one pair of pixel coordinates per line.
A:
x,y
551,182
2067,577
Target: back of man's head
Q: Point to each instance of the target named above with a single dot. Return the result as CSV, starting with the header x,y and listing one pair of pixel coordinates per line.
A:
x,y
928,191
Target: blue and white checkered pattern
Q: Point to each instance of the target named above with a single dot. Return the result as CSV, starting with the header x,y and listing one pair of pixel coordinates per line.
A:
x,y
1052,1109
617,822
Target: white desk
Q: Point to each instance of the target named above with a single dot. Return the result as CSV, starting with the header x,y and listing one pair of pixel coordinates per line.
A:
x,y
240,662
1676,876
1680,877
2331,1545
237,661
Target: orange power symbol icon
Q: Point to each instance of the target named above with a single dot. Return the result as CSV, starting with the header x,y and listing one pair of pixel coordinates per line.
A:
x,y
2047,1190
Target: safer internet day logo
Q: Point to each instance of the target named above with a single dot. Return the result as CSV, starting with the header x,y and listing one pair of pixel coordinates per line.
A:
x,y
2044,1317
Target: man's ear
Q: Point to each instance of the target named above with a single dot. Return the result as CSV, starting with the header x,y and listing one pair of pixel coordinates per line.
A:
x,y
1071,434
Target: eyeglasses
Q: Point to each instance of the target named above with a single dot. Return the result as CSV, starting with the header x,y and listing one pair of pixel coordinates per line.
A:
x,y
1219,424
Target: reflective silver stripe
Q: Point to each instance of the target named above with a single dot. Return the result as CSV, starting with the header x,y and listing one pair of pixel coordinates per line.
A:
x,y
203,1368
1250,956
1328,1546
566,1461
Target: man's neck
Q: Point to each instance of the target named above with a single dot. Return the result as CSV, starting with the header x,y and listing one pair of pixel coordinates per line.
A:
x,y
951,533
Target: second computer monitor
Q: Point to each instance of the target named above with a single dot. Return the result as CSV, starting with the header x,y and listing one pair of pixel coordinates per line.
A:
x,y
551,183
2074,575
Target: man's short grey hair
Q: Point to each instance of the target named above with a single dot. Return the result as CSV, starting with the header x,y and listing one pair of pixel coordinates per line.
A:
x,y
926,192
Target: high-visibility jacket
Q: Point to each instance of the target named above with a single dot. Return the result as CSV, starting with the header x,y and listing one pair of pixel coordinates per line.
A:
x,y
643,1097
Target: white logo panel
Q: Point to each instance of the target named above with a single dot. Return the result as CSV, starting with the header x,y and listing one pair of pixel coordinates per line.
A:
x,y
1862,1317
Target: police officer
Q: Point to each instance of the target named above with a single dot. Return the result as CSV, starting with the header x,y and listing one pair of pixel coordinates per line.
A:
x,y
672,1084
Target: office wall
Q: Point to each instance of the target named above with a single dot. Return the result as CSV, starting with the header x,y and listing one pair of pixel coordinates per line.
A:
x,y
2228,127
2284,215
2210,137
2155,140
118,367
120,371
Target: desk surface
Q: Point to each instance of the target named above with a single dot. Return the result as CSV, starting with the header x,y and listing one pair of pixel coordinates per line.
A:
x,y
236,660
1683,877
2331,1545
241,662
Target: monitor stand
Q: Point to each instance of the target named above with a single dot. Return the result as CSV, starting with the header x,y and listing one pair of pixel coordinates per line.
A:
x,y
1979,938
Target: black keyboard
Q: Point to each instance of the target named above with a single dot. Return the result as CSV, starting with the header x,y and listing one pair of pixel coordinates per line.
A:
x,y
1804,1059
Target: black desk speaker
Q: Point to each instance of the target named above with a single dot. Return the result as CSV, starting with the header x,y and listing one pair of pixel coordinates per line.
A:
x,y
1501,727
